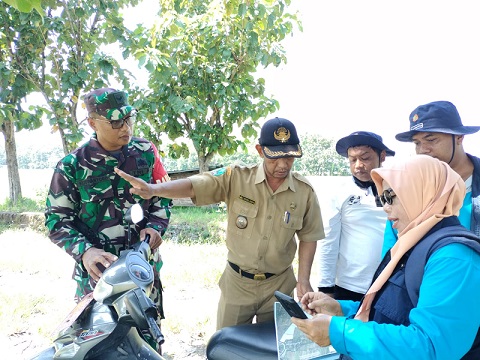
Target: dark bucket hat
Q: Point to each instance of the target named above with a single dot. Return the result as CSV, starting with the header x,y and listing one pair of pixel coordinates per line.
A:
x,y
108,102
361,138
278,139
437,116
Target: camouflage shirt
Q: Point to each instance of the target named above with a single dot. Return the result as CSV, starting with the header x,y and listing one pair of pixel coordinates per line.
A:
x,y
82,182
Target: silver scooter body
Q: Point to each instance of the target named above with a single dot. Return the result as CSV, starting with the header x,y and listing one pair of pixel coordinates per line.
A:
x,y
106,324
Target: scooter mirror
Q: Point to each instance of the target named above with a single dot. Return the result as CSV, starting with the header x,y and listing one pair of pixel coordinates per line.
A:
x,y
134,214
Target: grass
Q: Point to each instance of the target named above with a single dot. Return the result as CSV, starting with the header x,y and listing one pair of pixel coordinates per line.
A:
x,y
24,205
197,225
188,225
34,183
28,207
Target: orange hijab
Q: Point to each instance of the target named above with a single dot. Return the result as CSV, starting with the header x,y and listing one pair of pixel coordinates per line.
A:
x,y
429,190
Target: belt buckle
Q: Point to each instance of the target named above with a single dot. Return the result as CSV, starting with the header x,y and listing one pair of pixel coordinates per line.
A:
x,y
259,277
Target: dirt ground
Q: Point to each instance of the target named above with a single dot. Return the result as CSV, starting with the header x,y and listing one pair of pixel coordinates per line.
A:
x,y
190,306
183,345
178,345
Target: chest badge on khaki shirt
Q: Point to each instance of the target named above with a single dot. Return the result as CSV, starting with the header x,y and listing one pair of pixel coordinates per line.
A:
x,y
241,222
293,206
244,198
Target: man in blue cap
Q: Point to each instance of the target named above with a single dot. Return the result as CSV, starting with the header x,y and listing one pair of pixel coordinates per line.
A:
x,y
269,207
437,130
354,221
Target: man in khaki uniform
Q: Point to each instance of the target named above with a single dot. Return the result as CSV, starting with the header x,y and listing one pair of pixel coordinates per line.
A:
x,y
267,205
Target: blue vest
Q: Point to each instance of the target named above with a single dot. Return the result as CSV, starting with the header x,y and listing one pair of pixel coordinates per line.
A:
x,y
399,295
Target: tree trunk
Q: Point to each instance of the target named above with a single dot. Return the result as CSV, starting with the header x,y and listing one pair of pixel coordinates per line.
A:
x,y
204,162
14,187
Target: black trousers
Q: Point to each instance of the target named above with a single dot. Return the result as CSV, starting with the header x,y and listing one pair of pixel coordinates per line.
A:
x,y
340,293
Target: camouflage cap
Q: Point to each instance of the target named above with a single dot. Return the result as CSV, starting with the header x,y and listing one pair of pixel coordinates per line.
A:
x,y
108,102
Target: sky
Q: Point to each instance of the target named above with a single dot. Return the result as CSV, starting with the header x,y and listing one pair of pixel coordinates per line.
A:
x,y
365,65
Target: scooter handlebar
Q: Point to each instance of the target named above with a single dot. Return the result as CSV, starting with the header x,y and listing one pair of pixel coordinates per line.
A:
x,y
147,239
155,329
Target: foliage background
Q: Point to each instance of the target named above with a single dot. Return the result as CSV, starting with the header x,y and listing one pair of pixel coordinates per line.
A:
x,y
319,159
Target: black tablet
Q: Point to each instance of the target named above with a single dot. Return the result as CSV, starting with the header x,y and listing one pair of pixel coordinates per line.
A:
x,y
290,305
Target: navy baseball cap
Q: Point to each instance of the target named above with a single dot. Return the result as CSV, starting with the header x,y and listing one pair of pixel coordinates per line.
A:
x,y
278,138
437,116
361,138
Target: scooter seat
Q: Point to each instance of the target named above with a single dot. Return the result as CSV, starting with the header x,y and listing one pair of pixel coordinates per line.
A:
x,y
249,341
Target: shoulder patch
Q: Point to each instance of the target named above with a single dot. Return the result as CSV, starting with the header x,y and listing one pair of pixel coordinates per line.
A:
x,y
224,170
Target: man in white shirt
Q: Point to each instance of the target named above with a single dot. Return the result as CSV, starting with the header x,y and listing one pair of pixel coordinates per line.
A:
x,y
354,221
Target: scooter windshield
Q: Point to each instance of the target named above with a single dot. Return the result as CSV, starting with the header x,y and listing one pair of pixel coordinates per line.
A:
x,y
139,270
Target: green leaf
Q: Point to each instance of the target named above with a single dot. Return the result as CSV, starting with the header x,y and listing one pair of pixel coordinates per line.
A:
x,y
242,9
26,6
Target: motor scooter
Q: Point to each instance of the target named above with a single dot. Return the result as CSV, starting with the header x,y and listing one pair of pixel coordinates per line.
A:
x,y
108,324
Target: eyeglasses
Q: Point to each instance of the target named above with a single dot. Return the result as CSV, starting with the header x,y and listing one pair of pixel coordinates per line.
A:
x,y
118,124
387,197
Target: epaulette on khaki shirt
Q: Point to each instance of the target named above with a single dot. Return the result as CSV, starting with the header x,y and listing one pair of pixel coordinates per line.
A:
x,y
261,224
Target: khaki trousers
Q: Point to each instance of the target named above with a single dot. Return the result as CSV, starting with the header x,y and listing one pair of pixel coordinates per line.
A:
x,y
242,298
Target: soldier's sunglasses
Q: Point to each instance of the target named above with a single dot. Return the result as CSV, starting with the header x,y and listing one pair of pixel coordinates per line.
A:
x,y
387,197
118,124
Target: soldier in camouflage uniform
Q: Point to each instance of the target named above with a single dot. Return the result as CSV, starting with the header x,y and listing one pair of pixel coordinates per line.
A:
x,y
84,180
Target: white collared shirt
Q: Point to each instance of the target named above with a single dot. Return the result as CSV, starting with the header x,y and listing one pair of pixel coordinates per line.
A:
x,y
354,226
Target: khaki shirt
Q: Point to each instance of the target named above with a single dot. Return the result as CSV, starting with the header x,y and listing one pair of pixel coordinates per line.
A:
x,y
261,224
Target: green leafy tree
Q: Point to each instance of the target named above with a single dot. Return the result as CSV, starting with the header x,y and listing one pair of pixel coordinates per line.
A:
x,y
72,61
202,56
320,157
56,56
18,40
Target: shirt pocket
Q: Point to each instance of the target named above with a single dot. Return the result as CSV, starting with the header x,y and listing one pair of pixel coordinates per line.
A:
x,y
393,305
294,222
290,227
239,212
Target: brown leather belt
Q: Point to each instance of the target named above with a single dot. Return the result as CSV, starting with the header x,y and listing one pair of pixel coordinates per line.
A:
x,y
262,276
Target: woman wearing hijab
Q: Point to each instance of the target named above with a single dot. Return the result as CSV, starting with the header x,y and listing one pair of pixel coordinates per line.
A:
x,y
424,300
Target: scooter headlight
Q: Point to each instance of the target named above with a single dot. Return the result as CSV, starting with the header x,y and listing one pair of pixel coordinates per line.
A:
x,y
102,291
